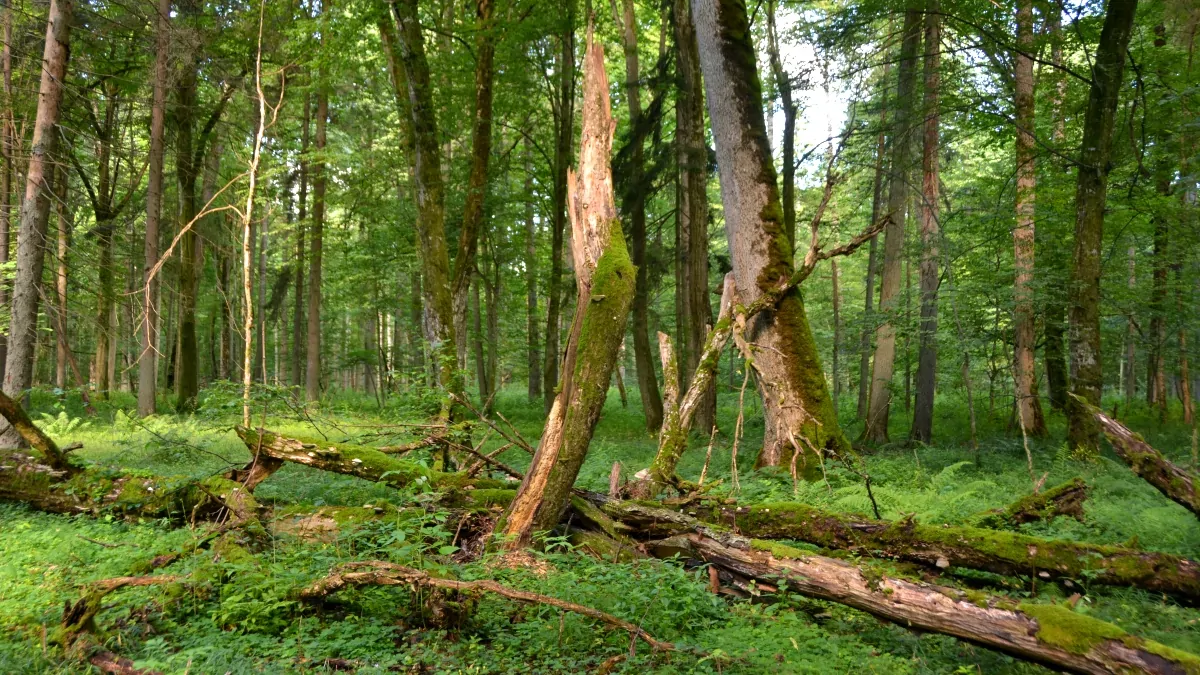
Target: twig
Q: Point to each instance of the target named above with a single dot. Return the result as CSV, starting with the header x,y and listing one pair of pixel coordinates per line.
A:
x,y
707,457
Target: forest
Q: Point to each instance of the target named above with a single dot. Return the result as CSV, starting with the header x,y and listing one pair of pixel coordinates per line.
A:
x,y
562,336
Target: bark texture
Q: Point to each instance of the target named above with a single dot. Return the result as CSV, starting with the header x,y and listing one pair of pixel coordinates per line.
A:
x,y
800,419
1176,483
148,359
1091,190
922,428
35,214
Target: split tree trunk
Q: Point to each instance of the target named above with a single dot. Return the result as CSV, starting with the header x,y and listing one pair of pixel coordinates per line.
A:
x,y
800,420
148,359
883,365
606,283
35,214
691,155
1029,408
1087,375
922,429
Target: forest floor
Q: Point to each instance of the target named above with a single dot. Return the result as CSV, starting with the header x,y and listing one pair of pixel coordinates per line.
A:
x,y
245,617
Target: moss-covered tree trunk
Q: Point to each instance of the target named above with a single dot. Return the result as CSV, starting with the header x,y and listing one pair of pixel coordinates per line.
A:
x,y
606,280
884,362
1091,190
799,413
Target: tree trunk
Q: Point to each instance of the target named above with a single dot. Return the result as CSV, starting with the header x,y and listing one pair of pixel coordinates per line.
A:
x,y
477,181
63,352
1185,378
783,83
864,363
1087,375
492,294
1128,369
691,154
7,149
606,283
299,327
1029,408
800,420
633,208
922,429
883,365
35,213
564,129
1156,362
421,136
1056,308
476,338
312,373
148,359
531,271
835,367
1175,482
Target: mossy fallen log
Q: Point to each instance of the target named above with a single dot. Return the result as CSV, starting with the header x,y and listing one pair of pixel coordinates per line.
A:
x,y
1050,634
1061,500
1006,553
1175,482
272,450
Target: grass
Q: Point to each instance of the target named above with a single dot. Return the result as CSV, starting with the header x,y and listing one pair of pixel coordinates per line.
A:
x,y
242,617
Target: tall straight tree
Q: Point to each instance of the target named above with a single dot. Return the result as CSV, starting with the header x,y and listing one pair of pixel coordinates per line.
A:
x,y
1054,353
8,150
35,213
1029,408
633,208
563,105
1091,191
312,370
884,363
691,154
798,410
922,428
531,280
148,359
864,363
299,327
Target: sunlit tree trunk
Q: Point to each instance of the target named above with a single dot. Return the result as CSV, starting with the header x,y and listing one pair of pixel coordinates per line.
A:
x,y
883,365
63,352
148,358
799,414
864,363
1087,374
922,429
1029,410
35,213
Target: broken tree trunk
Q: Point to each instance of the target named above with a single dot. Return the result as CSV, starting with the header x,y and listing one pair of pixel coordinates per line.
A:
x,y
606,279
942,547
1050,634
19,420
1062,500
1175,482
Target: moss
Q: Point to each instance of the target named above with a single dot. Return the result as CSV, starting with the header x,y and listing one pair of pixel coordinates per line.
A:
x,y
777,549
1068,630
1190,663
977,598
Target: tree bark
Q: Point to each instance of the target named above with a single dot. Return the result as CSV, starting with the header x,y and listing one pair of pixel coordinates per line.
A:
x,y
7,149
1087,375
864,363
633,208
800,419
1055,316
922,429
63,354
883,365
1156,362
531,282
299,326
783,83
148,359
1175,482
564,129
1029,408
691,154
606,283
1061,500
1128,366
35,214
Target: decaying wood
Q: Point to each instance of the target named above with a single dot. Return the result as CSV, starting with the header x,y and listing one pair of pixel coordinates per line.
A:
x,y
1175,482
1062,500
80,616
19,420
605,281
380,573
1050,634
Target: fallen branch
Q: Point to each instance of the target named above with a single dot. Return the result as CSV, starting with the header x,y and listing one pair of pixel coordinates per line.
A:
x,y
1175,482
1062,500
380,573
1048,634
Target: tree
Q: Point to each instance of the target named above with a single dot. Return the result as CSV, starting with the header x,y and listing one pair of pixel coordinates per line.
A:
x,y
1029,408
883,364
316,234
922,429
1091,190
35,213
799,415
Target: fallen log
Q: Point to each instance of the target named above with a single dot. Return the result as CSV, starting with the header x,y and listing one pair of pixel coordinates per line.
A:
x,y
1062,500
271,450
31,434
381,573
942,547
1050,634
1175,482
